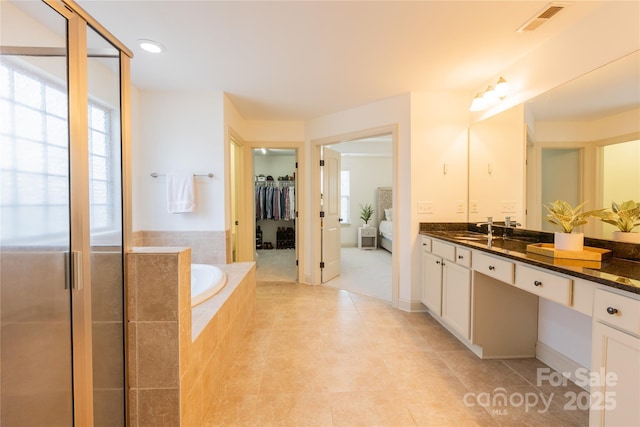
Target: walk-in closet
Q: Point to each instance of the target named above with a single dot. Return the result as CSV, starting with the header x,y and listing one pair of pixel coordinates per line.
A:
x,y
275,214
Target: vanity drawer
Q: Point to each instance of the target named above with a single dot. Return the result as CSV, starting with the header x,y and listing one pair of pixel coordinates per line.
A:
x,y
426,244
443,250
494,267
617,310
547,285
463,256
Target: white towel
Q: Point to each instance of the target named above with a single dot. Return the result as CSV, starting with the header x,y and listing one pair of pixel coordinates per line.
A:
x,y
180,193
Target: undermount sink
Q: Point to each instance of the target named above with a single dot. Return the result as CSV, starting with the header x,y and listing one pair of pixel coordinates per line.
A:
x,y
469,235
470,238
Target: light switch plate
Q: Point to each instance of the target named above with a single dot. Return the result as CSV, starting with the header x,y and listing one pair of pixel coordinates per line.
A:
x,y
473,206
508,206
460,206
425,207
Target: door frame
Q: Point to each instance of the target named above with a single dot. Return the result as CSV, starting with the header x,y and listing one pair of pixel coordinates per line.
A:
x,y
246,217
236,178
316,231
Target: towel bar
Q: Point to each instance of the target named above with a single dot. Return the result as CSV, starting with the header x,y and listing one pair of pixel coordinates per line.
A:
x,y
155,175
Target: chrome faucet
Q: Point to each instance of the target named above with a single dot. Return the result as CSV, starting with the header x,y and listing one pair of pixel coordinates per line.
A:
x,y
489,225
508,223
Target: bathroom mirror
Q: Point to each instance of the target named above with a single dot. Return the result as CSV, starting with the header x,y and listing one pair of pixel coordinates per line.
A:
x,y
582,144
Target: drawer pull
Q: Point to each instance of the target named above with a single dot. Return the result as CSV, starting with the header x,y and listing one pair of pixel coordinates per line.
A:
x,y
438,262
460,257
537,283
491,267
612,310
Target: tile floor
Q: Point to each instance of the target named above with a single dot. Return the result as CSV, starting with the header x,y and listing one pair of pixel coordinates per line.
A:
x,y
319,356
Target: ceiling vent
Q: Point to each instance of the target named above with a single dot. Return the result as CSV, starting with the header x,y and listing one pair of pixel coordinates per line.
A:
x,y
550,11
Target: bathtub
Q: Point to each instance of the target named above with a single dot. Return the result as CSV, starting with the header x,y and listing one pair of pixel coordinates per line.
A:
x,y
206,281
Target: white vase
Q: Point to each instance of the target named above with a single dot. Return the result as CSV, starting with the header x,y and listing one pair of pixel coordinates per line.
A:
x,y
365,225
627,237
568,241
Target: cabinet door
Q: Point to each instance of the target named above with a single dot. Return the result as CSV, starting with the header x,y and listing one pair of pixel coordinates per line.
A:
x,y
614,401
456,297
432,282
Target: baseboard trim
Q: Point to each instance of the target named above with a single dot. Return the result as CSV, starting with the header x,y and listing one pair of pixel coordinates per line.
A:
x,y
559,362
411,306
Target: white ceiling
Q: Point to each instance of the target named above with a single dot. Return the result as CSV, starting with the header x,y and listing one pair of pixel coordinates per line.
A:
x,y
298,60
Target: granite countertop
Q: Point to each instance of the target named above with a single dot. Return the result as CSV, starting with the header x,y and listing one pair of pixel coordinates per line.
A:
x,y
614,271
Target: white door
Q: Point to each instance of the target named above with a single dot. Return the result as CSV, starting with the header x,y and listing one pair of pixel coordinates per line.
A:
x,y
330,223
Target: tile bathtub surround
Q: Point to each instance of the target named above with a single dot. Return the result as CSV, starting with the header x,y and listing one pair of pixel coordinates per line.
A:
x,y
318,356
207,247
215,339
170,363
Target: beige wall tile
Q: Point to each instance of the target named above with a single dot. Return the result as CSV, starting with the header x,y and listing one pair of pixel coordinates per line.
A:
x,y
106,286
108,363
108,408
157,354
34,294
35,357
157,287
159,408
45,408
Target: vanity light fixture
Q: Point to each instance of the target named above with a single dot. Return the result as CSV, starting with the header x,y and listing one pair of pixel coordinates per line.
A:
x,y
478,104
151,46
502,88
491,95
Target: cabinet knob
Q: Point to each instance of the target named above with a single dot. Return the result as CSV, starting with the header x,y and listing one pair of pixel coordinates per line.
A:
x,y
537,283
612,310
491,267
460,257
438,262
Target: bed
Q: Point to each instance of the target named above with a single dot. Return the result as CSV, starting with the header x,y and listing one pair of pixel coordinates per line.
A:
x,y
385,217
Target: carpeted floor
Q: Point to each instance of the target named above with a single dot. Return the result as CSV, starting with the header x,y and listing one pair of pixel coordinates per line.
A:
x,y
363,272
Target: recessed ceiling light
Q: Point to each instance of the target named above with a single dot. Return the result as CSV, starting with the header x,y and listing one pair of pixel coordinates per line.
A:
x,y
150,46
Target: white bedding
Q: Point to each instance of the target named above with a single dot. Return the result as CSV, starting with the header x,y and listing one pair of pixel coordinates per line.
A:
x,y
385,229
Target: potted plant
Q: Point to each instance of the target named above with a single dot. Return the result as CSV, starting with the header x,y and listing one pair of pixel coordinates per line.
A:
x,y
562,215
366,211
625,217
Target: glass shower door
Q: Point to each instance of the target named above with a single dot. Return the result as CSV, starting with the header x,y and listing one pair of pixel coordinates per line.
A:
x,y
105,211
36,386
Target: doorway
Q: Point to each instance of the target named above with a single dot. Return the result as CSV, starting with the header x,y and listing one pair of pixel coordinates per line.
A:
x,y
366,178
275,208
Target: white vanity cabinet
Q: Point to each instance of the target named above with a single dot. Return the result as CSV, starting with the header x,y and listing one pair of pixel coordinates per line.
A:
x,y
615,363
432,282
456,297
446,284
431,278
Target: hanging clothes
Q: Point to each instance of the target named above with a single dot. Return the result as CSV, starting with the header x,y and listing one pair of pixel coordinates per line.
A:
x,y
275,201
